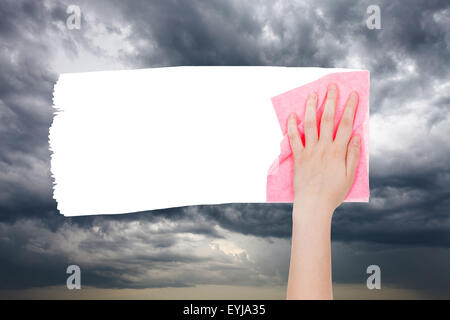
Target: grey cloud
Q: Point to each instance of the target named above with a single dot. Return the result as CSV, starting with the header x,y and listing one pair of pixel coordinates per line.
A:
x,y
132,254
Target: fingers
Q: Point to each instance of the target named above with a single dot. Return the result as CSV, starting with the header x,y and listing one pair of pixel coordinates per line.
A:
x,y
311,135
353,151
327,121
294,136
345,128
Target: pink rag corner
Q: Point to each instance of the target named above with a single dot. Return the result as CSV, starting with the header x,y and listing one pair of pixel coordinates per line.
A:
x,y
280,176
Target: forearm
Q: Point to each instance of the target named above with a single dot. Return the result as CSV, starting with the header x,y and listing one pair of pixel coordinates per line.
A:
x,y
310,266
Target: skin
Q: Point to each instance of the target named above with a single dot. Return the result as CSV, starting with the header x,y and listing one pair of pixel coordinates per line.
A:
x,y
324,171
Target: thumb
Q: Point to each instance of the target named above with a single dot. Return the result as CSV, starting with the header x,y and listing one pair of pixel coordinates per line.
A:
x,y
353,152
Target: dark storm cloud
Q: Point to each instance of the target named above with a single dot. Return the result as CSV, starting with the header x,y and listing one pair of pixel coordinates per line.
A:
x,y
26,86
121,254
193,33
410,183
264,220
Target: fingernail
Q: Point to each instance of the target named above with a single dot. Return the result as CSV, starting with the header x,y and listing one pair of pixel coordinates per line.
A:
x,y
292,116
332,88
356,140
354,96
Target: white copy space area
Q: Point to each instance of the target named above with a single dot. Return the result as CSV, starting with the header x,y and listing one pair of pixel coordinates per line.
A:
x,y
135,140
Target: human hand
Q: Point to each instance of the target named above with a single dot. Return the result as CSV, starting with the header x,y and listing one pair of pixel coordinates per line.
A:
x,y
324,168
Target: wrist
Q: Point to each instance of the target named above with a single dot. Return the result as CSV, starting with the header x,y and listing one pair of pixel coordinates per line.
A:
x,y
312,212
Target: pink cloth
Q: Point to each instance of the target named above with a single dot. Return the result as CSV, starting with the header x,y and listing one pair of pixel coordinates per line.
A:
x,y
279,178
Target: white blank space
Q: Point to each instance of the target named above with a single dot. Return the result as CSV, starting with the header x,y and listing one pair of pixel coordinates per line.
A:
x,y
135,140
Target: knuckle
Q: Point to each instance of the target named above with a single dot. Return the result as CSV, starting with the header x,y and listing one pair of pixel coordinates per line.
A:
x,y
355,149
336,151
321,150
311,105
330,99
327,117
291,135
289,127
310,124
346,122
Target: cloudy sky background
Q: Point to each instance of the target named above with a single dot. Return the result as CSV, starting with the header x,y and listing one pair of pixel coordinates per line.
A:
x,y
240,250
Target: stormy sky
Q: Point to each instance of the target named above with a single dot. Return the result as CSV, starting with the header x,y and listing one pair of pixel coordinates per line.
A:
x,y
239,250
